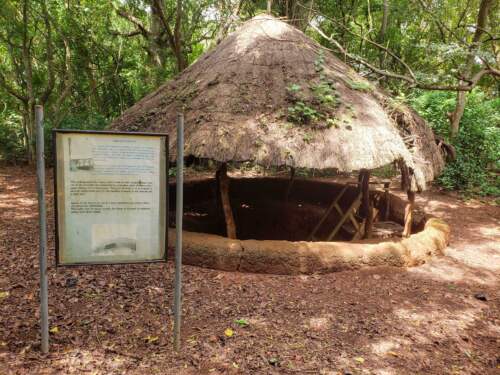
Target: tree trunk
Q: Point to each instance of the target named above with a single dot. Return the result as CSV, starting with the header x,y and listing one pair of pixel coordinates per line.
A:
x,y
180,58
383,30
457,114
481,25
223,180
28,71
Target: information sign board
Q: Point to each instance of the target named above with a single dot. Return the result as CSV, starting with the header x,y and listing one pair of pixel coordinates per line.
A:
x,y
111,197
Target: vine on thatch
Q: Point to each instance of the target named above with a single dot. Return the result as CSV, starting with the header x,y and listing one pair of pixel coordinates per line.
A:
x,y
317,104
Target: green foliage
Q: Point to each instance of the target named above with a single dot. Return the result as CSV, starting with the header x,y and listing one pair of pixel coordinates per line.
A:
x,y
242,322
360,85
11,148
293,88
302,113
325,93
320,102
307,137
386,172
475,170
319,62
102,63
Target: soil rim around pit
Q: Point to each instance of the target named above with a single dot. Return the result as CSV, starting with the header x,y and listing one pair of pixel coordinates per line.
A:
x,y
303,257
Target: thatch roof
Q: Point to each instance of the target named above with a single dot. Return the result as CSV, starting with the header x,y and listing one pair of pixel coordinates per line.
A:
x,y
270,94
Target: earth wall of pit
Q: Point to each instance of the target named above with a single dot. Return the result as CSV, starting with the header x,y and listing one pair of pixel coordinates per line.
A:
x,y
305,257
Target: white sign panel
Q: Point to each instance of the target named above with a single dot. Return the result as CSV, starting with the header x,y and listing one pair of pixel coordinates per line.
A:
x,y
111,197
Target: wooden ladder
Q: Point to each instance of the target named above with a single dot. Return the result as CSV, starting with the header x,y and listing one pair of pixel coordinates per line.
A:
x,y
344,216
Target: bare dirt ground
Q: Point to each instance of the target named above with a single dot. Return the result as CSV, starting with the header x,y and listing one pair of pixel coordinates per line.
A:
x,y
439,318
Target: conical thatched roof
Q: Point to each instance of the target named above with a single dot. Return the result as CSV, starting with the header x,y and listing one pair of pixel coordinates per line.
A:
x,y
269,94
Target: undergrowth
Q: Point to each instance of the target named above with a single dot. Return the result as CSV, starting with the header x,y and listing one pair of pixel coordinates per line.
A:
x,y
476,170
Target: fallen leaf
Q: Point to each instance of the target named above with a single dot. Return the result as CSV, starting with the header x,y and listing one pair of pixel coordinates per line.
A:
x,y
4,294
273,361
54,329
394,354
242,322
228,332
359,359
152,339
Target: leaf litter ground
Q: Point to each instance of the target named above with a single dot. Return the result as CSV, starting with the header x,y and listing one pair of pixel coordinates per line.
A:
x,y
439,318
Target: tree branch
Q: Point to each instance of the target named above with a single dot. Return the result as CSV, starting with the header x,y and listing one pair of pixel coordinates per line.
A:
x,y
11,90
378,45
136,21
412,81
127,35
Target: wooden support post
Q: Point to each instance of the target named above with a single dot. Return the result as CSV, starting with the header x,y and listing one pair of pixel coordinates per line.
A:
x,y
387,198
223,180
405,178
406,175
366,204
409,213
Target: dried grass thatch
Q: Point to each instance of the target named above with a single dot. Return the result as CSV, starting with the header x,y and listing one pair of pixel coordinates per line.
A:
x,y
248,100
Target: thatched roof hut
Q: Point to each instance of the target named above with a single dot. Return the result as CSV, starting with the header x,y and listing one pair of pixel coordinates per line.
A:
x,y
270,94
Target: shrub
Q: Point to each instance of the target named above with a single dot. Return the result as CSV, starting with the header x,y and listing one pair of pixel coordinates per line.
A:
x,y
477,144
11,146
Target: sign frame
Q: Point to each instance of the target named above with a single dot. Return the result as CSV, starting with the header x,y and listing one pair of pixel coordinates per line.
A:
x,y
56,208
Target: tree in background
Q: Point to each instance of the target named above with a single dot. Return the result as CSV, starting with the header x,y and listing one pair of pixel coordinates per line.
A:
x,y
87,61
170,29
30,62
444,46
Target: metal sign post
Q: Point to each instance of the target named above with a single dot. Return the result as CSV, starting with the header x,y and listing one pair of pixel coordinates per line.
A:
x,y
42,217
178,232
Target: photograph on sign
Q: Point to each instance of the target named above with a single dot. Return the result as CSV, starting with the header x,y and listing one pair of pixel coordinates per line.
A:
x,y
111,193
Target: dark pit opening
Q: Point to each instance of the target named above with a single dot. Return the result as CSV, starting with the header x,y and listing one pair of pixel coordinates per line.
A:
x,y
264,211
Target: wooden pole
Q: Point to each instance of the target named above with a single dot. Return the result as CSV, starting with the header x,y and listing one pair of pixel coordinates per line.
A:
x,y
409,213
223,180
366,204
406,185
387,198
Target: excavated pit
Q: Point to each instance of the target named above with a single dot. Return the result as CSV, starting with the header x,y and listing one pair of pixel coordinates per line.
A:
x,y
274,225
265,209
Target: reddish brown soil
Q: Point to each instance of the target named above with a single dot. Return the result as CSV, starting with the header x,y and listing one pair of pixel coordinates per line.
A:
x,y
423,320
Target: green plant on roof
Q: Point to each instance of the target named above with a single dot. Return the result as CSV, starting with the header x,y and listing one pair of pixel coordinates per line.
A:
x,y
324,92
331,122
294,88
360,85
302,113
307,138
317,103
318,63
